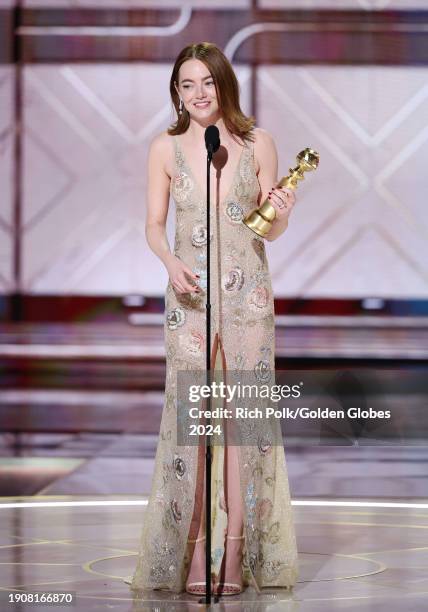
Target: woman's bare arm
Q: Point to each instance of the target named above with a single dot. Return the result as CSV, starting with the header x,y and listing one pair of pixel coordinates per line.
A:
x,y
157,213
267,156
158,200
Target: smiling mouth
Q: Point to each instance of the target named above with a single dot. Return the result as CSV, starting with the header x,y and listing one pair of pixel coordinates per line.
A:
x,y
202,104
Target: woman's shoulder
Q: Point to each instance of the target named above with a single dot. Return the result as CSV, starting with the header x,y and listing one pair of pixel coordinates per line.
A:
x,y
161,146
262,137
162,141
264,146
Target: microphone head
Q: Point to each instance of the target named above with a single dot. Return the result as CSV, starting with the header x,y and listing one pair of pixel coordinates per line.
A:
x,y
212,138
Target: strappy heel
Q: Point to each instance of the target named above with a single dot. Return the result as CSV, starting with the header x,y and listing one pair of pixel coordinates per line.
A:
x,y
196,588
236,588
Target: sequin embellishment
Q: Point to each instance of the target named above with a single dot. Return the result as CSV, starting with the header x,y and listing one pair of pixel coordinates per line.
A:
x,y
234,279
262,371
179,467
176,318
264,445
192,343
258,298
175,511
234,212
199,235
182,185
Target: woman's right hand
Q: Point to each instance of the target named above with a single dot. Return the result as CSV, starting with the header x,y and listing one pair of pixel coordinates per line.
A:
x,y
177,271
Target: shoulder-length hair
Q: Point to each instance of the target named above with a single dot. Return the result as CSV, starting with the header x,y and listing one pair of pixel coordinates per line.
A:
x,y
226,85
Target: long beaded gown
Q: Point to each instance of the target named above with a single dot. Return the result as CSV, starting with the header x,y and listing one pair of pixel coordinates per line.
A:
x,y
242,324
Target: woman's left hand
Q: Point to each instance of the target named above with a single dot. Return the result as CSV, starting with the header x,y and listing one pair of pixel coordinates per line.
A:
x,y
283,199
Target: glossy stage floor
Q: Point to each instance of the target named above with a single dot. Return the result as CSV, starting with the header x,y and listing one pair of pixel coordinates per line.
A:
x,y
77,452
356,552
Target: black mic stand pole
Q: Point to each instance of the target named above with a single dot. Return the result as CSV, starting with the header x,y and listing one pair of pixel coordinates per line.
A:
x,y
212,143
208,382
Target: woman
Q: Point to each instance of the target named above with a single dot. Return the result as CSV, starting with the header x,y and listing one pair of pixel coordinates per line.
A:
x,y
253,538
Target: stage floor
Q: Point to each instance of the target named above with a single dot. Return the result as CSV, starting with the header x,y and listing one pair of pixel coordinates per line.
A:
x,y
352,557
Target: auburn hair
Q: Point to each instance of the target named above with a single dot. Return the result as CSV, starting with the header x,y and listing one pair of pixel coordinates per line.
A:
x,y
227,90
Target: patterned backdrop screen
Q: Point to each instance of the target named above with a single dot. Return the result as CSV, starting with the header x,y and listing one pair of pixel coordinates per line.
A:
x,y
360,225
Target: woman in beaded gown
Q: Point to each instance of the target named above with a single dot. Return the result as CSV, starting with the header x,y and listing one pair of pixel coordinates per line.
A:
x,y
250,491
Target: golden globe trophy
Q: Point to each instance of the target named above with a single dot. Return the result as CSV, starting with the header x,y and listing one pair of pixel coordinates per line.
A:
x,y
260,219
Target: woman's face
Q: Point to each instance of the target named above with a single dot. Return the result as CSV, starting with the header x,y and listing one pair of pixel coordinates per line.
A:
x,y
197,89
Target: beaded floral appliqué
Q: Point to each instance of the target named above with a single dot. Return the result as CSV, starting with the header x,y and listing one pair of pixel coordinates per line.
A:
x,y
176,318
234,212
234,279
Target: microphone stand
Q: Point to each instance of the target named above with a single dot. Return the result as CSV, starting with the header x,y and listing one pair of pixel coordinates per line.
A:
x,y
212,143
208,382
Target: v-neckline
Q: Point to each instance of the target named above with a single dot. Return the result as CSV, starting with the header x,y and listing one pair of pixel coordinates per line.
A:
x,y
196,183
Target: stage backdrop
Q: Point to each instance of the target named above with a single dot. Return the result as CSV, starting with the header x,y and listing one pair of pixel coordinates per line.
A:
x,y
360,225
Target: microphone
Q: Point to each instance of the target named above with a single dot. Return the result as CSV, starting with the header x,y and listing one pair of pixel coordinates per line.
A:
x,y
212,140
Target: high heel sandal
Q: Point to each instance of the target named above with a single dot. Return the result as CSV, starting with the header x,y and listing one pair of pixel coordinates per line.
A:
x,y
196,588
236,588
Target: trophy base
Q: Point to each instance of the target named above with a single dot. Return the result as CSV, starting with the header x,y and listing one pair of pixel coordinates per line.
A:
x,y
257,224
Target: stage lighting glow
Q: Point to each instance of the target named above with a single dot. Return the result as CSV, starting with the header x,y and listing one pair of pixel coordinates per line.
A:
x,y
143,502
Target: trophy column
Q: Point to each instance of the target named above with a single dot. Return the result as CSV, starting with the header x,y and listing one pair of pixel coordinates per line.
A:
x,y
260,219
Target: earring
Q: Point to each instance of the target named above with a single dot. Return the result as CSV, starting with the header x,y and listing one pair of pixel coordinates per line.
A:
x,y
180,107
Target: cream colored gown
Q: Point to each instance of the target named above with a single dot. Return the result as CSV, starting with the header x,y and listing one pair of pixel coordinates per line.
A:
x,y
242,319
